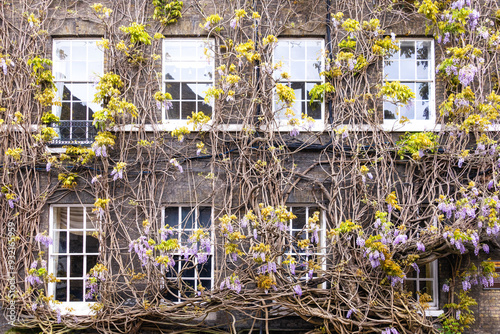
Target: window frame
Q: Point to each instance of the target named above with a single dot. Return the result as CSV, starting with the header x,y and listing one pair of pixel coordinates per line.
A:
x,y
434,306
178,234
89,83
319,124
415,125
170,124
79,307
322,235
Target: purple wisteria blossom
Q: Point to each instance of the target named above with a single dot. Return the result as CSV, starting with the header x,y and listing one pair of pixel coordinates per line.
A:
x,y
486,248
292,268
447,208
58,313
420,246
175,163
360,242
350,312
298,290
400,239
466,74
294,132
44,239
117,174
142,248
446,288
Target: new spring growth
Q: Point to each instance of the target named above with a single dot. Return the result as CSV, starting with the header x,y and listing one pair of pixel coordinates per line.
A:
x,y
101,11
392,202
118,170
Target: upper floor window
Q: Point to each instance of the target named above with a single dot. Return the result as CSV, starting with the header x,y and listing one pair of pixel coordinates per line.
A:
x,y
78,64
73,253
193,269
302,60
412,66
187,75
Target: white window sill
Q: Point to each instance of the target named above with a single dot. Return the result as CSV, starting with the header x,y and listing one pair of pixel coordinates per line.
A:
x,y
433,312
74,308
412,126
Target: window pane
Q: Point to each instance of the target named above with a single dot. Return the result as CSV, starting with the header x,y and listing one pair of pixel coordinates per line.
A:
x,y
407,70
423,91
60,217
60,242
391,70
187,218
407,50
188,91
75,290
62,50
175,112
79,71
423,110
187,108
94,70
92,243
423,70
297,50
281,52
75,242
173,89
298,70
300,221
389,110
79,51
408,111
76,266
205,217
313,69
187,71
423,49
172,217
91,262
172,72
172,50
76,217
205,270
314,109
299,88
60,265
61,289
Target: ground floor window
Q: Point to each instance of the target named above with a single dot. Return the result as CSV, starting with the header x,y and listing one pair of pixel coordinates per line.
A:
x,y
74,251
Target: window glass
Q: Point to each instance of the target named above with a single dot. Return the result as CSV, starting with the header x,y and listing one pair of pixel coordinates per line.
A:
x,y
303,61
74,252
77,66
187,75
195,276
412,67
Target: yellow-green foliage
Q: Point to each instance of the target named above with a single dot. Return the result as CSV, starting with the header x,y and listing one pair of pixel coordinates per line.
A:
x,y
416,143
68,181
396,92
167,11
285,94
137,33
79,154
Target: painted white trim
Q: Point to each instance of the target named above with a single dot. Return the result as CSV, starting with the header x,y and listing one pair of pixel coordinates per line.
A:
x,y
80,307
319,125
169,123
416,125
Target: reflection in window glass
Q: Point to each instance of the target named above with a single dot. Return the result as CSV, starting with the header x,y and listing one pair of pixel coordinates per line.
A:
x,y
187,74
77,66
303,61
412,67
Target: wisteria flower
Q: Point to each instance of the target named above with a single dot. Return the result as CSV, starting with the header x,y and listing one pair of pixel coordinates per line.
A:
x,y
298,290
44,239
466,74
446,288
420,246
175,163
